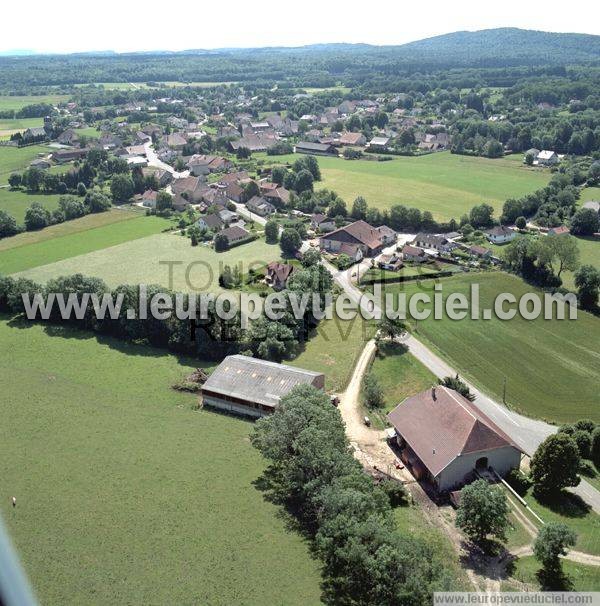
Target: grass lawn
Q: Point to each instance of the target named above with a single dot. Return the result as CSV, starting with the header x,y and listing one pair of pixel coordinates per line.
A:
x,y
411,521
14,159
583,578
551,366
446,184
72,238
334,350
8,102
145,260
589,251
516,535
8,127
400,374
573,512
16,202
125,495
590,193
91,131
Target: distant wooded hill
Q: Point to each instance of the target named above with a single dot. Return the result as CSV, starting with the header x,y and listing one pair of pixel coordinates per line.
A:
x,y
315,65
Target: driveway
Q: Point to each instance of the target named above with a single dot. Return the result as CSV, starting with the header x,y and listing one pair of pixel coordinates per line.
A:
x,y
527,433
154,160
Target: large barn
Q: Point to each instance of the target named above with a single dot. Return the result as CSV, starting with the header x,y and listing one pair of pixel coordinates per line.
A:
x,y
444,438
253,387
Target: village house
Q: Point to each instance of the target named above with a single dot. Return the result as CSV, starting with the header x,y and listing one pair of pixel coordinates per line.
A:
x,y
175,141
316,149
445,439
390,262
356,236
191,188
480,252
164,177
388,235
546,158
68,137
561,230
37,133
500,234
201,164
277,274
413,254
254,387
322,223
379,143
41,163
433,242
148,198
260,206
277,196
235,234
67,155
211,222
352,139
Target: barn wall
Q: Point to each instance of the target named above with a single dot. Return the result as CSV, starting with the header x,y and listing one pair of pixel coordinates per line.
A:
x,y
232,407
501,459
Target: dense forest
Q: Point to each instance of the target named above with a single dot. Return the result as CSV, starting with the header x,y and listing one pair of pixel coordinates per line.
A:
x,y
492,55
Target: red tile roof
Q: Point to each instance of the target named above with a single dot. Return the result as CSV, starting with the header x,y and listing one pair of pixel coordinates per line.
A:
x,y
441,429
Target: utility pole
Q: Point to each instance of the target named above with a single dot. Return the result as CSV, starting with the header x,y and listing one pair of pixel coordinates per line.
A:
x,y
504,392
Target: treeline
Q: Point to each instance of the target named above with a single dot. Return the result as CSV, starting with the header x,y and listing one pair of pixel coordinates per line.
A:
x,y
69,207
349,518
555,204
36,110
213,338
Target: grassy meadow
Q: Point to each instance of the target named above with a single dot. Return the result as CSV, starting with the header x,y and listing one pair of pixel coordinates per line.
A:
x,y
14,159
15,202
334,350
125,494
17,102
552,366
400,374
524,576
448,185
10,126
59,243
144,260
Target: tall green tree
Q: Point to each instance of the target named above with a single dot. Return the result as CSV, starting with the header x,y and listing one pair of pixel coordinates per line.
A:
x,y
483,511
555,465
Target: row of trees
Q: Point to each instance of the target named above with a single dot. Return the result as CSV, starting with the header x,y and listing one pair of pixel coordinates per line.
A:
x,y
69,207
311,472
541,262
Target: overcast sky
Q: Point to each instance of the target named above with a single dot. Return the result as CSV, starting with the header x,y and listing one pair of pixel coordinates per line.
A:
x,y
70,26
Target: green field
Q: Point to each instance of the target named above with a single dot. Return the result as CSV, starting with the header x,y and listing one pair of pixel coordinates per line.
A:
x,y
8,102
17,158
446,184
16,202
144,260
72,238
334,350
590,193
8,127
400,374
552,367
90,131
583,578
589,251
125,495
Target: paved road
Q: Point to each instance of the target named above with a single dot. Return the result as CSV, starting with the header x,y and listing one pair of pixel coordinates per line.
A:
x,y
527,433
154,160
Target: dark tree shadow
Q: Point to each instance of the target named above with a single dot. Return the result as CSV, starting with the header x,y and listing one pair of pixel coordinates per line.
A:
x,y
565,503
554,580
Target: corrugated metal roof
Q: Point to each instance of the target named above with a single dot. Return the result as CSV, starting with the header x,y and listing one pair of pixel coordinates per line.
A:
x,y
257,380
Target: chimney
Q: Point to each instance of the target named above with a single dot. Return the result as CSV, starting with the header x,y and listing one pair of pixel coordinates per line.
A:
x,y
433,396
